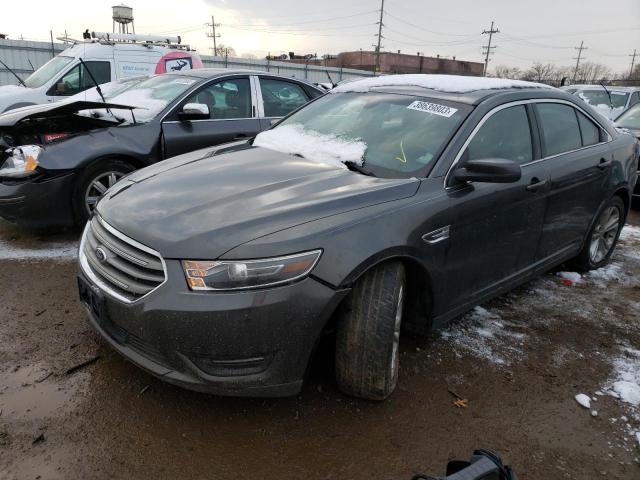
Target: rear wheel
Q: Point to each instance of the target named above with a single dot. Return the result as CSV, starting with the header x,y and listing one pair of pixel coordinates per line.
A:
x,y
93,183
368,335
603,236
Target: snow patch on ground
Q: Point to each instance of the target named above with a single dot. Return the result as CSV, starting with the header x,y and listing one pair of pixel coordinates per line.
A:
x,y
575,277
486,335
53,250
583,400
294,139
442,83
630,232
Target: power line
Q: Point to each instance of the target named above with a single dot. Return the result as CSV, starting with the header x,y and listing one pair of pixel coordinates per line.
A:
x,y
580,49
295,24
488,47
419,27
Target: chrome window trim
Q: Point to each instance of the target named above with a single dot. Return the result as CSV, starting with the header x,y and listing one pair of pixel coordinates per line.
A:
x,y
86,268
205,85
525,102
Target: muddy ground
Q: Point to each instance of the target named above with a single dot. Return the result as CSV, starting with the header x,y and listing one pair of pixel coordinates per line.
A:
x,y
518,362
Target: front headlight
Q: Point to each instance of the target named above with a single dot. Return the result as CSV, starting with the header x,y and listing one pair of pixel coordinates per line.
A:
x,y
22,161
243,274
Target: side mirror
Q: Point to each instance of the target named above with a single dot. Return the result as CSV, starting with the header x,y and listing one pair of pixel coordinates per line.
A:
x,y
194,111
490,170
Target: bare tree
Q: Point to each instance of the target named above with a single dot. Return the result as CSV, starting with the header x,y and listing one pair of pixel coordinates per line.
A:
x,y
223,50
541,72
590,72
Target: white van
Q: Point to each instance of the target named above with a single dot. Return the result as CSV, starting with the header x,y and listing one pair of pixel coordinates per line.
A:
x,y
108,57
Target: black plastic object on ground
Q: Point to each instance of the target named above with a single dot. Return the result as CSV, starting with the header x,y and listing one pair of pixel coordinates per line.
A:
x,y
484,465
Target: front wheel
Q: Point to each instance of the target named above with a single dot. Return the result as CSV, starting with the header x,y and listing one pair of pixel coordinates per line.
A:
x,y
368,335
93,182
603,236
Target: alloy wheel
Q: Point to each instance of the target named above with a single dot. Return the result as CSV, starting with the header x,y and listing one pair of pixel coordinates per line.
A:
x,y
98,186
604,234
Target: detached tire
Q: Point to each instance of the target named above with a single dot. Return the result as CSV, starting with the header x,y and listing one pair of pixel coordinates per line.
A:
x,y
368,334
93,182
603,236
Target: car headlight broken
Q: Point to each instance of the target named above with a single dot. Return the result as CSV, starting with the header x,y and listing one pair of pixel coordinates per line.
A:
x,y
22,161
244,274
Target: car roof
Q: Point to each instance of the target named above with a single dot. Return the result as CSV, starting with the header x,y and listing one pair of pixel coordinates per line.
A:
x,y
209,73
464,89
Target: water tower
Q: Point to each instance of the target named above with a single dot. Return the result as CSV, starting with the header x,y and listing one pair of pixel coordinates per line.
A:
x,y
123,16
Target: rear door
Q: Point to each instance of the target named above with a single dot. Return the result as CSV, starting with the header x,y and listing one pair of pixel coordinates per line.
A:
x,y
277,97
495,227
579,161
232,116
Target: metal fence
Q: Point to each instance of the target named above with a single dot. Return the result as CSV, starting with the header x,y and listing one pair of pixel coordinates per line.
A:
x,y
312,73
24,56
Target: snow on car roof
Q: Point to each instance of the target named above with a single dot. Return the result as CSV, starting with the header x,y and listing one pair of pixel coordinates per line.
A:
x,y
441,83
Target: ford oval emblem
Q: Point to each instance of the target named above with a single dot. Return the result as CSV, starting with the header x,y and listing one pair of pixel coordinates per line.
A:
x,y
101,255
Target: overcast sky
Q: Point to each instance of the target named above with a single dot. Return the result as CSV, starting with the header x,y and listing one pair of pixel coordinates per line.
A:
x,y
538,30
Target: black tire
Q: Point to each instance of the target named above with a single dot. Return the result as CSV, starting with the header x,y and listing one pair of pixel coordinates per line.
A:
x,y
608,238
368,333
86,179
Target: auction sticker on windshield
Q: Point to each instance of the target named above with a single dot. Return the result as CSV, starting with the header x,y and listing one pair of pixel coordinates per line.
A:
x,y
434,108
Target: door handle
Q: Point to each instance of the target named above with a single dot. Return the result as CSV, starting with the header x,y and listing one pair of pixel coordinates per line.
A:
x,y
604,163
535,185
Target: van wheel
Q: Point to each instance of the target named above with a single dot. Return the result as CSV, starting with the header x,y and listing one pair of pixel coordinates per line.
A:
x,y
368,334
603,236
93,182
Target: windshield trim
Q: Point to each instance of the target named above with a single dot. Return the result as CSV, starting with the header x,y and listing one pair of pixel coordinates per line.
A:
x,y
68,66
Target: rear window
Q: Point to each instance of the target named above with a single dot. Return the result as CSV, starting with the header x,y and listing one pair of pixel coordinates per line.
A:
x,y
590,131
560,129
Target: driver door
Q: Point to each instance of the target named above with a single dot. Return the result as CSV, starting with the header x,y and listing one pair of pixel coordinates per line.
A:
x,y
496,227
232,116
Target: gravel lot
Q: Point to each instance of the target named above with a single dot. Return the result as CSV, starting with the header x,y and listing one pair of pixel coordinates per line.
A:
x,y
518,361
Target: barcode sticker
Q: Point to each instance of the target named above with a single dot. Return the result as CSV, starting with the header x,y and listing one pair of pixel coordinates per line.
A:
x,y
433,108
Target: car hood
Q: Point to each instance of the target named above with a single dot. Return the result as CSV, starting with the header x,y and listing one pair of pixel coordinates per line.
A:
x,y
12,117
201,206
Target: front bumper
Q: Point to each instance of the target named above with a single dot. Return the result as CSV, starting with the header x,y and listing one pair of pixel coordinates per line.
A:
x,y
250,343
44,201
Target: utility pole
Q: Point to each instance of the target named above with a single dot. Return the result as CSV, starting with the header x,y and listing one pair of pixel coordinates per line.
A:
x,y
488,47
633,62
379,46
580,49
213,34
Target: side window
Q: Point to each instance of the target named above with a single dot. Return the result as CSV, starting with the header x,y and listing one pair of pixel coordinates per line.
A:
x,y
77,79
228,99
506,134
635,98
281,97
590,131
559,128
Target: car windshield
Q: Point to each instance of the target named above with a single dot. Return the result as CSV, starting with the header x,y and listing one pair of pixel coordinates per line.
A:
x,y
387,135
47,71
600,98
149,97
630,118
109,90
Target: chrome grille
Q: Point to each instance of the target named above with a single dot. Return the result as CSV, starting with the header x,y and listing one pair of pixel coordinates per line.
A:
x,y
123,267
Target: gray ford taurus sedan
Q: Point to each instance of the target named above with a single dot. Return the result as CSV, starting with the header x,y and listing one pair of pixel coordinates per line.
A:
x,y
389,205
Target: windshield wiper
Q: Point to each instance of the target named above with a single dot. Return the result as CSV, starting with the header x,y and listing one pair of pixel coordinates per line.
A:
x,y
13,73
354,167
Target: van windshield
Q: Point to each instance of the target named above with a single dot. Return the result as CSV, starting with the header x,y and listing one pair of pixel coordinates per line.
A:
x,y
47,71
389,135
